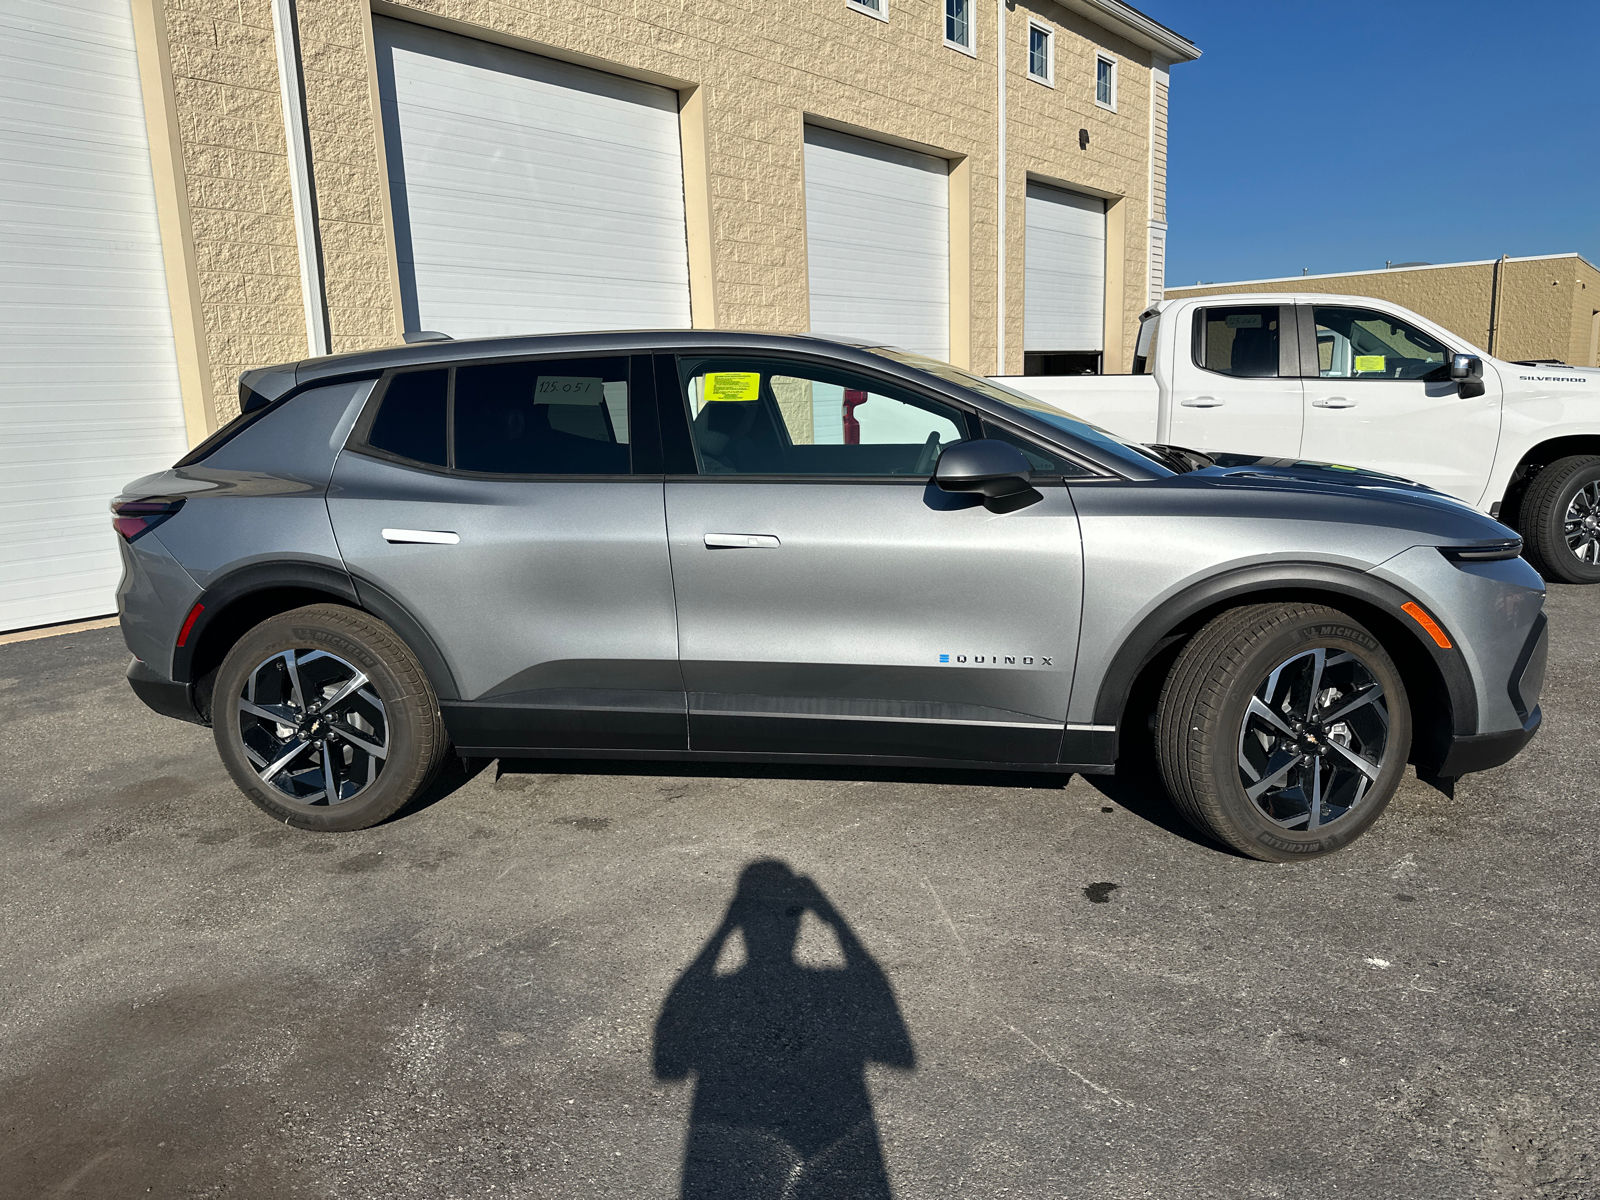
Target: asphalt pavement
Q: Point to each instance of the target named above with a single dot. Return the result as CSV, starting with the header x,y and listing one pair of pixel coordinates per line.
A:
x,y
539,983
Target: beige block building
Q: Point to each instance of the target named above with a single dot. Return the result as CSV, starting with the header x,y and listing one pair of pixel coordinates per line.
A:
x,y
746,90
1541,307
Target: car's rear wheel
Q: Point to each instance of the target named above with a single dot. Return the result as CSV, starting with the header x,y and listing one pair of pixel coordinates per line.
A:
x,y
1283,730
326,720
1560,520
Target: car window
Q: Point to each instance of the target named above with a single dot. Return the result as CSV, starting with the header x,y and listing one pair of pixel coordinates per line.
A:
x,y
753,417
411,417
546,417
1362,343
1044,462
1239,340
1105,443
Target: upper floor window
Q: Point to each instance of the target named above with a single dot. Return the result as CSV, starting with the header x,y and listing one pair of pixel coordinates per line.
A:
x,y
1041,54
958,24
873,8
1105,82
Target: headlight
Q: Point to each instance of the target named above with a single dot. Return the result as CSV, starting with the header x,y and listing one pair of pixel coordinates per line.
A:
x,y
1483,551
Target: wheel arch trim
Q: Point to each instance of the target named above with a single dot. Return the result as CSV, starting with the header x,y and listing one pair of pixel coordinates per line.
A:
x,y
1188,609
223,595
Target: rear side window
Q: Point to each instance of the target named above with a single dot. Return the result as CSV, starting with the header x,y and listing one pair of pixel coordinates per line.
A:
x,y
1240,340
411,419
546,417
561,417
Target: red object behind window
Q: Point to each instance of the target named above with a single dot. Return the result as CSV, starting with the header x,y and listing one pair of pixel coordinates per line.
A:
x,y
852,427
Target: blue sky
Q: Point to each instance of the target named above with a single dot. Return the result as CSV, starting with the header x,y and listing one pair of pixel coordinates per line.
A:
x,y
1335,136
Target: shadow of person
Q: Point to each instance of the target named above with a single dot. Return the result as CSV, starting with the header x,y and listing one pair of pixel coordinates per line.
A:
x,y
779,1051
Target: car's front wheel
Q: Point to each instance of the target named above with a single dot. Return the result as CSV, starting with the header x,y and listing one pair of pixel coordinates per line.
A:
x,y
326,720
1283,730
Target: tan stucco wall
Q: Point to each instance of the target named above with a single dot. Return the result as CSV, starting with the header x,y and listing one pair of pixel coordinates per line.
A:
x,y
749,78
1546,307
230,129
1042,136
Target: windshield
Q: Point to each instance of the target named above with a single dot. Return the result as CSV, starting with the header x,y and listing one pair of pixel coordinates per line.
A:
x,y
1118,447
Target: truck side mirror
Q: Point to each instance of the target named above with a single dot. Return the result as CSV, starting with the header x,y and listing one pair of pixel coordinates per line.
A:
x,y
994,469
1467,372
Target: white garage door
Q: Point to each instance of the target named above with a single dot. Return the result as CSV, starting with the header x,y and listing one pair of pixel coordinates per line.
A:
x,y
1065,280
89,394
878,242
530,195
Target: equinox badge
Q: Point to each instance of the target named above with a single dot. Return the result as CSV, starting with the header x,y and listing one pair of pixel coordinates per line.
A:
x,y
997,660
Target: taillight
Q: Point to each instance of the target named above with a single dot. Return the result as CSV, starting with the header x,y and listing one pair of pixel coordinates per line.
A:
x,y
135,517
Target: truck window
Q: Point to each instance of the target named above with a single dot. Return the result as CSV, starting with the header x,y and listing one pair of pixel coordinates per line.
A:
x,y
1361,343
1240,340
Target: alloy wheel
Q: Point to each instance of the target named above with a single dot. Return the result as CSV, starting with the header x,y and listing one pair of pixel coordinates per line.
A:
x,y
313,727
1313,739
1581,524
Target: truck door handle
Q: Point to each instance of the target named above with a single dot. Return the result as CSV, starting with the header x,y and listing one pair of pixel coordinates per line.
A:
x,y
741,541
1333,402
1202,402
426,537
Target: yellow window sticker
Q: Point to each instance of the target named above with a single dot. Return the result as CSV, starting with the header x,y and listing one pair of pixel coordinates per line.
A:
x,y
732,385
1370,362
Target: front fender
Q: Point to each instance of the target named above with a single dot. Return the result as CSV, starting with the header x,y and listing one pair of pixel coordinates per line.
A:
x,y
1190,608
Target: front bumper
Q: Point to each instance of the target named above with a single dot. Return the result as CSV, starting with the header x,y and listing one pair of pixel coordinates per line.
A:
x,y
1481,751
163,695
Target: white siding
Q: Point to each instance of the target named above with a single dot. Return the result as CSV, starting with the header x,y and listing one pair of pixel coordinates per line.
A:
x,y
1065,300
89,395
1158,154
878,242
530,195
1158,262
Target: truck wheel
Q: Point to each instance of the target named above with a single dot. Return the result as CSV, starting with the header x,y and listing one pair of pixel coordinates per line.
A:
x,y
1283,730
1560,520
326,720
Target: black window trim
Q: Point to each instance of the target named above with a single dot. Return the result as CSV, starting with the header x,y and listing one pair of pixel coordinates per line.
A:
x,y
1308,337
357,442
670,388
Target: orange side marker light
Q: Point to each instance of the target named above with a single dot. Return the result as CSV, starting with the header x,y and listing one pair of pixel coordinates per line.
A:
x,y
1415,611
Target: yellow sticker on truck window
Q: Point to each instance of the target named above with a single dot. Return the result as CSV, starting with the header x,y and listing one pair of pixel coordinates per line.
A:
x,y
1369,362
732,385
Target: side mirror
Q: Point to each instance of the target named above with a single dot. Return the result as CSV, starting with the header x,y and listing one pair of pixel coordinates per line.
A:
x,y
994,469
1467,372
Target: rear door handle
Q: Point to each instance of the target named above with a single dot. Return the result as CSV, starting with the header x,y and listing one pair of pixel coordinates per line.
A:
x,y
1202,402
426,537
741,541
1333,402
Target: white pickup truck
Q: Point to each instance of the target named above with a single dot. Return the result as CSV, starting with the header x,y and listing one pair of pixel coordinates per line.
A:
x,y
1358,381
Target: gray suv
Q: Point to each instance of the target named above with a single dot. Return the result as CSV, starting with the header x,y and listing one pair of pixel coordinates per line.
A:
x,y
771,548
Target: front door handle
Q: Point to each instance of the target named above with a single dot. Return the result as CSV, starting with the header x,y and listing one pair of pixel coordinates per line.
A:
x,y
1333,402
741,541
1202,402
